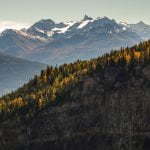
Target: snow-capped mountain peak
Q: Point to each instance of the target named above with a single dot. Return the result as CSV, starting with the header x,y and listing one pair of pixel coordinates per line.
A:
x,y
51,42
49,29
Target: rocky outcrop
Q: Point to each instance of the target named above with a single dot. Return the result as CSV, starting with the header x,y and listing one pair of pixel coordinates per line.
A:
x,y
109,111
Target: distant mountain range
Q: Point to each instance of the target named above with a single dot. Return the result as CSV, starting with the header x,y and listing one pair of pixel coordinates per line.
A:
x,y
56,43
14,72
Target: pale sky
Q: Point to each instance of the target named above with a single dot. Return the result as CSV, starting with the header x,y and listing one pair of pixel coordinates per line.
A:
x,y
29,11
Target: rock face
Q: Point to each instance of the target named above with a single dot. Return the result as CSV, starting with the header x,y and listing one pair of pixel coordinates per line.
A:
x,y
109,111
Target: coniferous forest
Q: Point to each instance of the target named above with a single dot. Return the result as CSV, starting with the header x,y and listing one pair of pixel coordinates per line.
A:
x,y
53,83
117,75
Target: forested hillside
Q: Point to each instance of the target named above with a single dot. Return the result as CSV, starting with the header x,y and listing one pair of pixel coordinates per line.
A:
x,y
102,103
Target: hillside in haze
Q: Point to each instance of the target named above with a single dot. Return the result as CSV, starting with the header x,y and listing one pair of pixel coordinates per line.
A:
x,y
14,72
56,43
98,104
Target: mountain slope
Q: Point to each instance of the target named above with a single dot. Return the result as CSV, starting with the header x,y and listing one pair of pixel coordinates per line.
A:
x,y
141,29
19,43
98,104
57,43
15,72
79,46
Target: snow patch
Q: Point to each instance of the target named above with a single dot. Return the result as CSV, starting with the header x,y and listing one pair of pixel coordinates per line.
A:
x,y
84,23
50,33
29,36
124,28
110,32
63,30
39,30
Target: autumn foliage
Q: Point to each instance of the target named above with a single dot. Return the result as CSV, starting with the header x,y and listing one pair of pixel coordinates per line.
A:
x,y
50,86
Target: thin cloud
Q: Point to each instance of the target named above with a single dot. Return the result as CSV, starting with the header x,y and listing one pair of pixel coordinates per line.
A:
x,y
12,25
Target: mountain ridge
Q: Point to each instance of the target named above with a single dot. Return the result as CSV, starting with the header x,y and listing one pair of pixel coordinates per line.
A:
x,y
41,41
